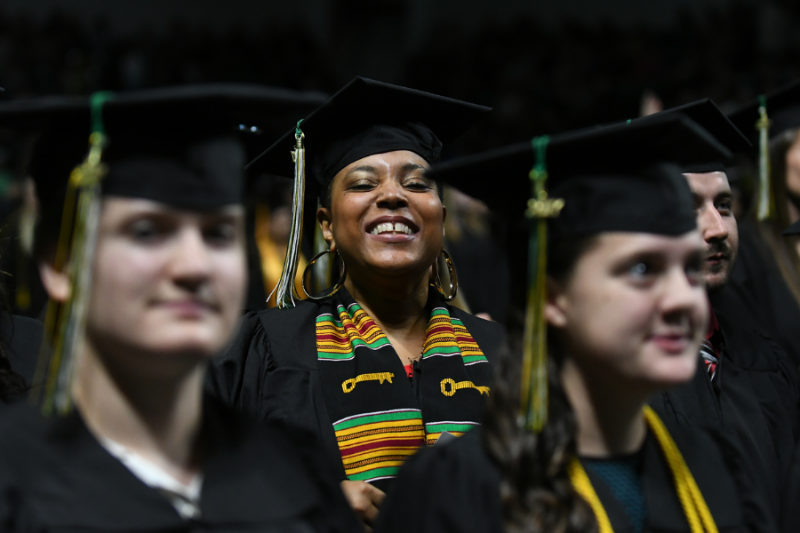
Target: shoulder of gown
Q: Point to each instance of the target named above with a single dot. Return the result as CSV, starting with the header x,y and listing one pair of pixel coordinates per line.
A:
x,y
452,487
52,471
726,479
773,375
263,340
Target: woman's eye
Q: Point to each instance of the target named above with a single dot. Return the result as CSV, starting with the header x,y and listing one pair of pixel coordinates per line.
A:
x,y
725,206
145,230
418,185
361,185
221,234
639,270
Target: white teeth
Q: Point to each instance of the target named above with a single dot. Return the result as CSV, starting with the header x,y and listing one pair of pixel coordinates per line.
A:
x,y
388,227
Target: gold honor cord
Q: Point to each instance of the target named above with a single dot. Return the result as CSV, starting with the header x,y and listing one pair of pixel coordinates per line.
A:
x,y
766,197
534,393
694,505
65,322
287,295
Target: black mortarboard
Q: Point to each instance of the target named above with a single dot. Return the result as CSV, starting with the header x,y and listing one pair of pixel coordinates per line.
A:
x,y
602,179
782,105
366,117
616,150
707,115
184,146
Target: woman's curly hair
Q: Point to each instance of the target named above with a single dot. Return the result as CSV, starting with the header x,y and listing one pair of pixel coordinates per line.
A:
x,y
536,492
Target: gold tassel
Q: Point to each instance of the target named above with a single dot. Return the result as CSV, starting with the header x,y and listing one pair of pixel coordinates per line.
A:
x,y
766,198
287,295
65,322
534,389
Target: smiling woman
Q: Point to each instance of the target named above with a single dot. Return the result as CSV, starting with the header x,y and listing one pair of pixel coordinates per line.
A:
x,y
147,282
367,149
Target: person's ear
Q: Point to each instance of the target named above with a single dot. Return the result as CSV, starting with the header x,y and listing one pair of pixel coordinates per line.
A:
x,y
555,305
55,283
444,218
326,225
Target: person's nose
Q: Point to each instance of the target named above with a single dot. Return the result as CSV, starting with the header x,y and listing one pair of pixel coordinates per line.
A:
x,y
391,195
712,225
190,261
682,297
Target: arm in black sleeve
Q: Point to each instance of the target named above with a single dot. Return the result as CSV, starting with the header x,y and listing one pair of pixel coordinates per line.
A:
x,y
236,377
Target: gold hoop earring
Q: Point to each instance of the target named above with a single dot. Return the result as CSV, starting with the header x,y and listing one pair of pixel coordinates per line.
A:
x,y
451,269
335,287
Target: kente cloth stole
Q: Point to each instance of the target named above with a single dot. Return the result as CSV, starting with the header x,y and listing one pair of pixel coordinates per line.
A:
x,y
380,417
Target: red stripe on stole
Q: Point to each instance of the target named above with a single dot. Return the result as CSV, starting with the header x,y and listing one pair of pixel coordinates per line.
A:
x,y
417,442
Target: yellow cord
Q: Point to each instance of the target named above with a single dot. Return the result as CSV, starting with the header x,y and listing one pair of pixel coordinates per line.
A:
x,y
580,480
692,501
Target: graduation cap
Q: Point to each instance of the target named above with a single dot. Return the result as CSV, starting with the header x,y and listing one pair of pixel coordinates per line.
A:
x,y
765,118
178,146
707,115
601,179
366,117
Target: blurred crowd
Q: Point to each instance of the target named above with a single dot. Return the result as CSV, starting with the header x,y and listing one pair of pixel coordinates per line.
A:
x,y
541,77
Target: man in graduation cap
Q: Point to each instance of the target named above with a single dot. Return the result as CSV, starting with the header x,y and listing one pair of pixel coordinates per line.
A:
x,y
145,268
746,387
380,364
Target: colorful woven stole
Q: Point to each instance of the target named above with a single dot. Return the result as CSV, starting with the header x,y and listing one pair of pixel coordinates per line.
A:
x,y
380,417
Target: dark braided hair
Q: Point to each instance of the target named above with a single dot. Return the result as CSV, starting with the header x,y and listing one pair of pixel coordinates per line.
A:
x,y
536,492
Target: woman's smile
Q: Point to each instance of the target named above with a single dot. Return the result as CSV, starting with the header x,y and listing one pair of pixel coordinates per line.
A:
x,y
672,344
392,229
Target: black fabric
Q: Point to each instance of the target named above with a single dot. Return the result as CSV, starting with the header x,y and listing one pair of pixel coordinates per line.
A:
x,y
753,401
706,114
369,117
758,295
615,164
271,370
376,139
455,487
656,200
206,174
21,338
56,477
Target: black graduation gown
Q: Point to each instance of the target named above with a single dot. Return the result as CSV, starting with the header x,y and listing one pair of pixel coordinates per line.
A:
x,y
271,371
757,294
56,477
21,338
753,401
456,487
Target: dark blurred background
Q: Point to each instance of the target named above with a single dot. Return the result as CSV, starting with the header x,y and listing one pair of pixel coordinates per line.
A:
x,y
544,66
